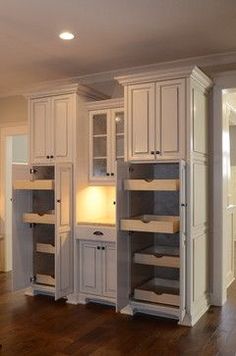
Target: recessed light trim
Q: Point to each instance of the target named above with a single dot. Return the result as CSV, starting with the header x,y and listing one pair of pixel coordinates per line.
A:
x,y
66,36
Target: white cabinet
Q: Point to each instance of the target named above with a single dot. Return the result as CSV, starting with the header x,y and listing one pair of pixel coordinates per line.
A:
x,y
51,121
106,138
43,231
98,269
156,120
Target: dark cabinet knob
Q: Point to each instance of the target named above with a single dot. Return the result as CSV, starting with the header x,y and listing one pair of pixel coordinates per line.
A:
x,y
152,152
51,156
158,152
58,200
108,174
48,157
98,247
103,248
112,174
98,233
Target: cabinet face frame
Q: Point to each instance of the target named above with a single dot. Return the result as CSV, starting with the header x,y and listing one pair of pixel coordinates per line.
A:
x,y
108,266
113,157
146,94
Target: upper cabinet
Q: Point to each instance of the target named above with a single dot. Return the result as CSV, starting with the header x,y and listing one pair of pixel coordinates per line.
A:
x,y
51,126
156,120
53,122
106,138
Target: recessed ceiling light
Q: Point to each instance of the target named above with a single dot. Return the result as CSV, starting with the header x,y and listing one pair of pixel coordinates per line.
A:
x,y
66,36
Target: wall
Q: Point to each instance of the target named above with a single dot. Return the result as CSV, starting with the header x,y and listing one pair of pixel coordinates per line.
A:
x,y
13,110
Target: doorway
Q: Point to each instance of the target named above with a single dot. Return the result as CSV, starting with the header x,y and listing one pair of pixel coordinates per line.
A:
x,y
14,158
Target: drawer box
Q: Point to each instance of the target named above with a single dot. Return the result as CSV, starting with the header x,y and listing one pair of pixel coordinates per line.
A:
x,y
34,218
159,291
96,233
152,184
151,223
158,256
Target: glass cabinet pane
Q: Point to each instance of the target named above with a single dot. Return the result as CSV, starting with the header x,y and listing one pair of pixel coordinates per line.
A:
x,y
100,124
119,120
99,147
99,167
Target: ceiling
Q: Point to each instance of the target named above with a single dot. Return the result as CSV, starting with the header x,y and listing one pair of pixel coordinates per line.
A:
x,y
111,34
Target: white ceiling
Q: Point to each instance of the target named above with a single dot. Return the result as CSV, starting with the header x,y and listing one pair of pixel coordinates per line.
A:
x,y
112,34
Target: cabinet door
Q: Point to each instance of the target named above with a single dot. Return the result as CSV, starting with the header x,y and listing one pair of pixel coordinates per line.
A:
x,y
141,121
117,137
90,267
62,115
99,146
170,119
40,130
109,269
63,231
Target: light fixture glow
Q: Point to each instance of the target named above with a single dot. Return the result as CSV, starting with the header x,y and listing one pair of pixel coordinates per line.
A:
x,y
67,36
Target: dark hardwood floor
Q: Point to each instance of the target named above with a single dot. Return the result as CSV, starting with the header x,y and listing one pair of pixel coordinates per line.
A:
x,y
40,326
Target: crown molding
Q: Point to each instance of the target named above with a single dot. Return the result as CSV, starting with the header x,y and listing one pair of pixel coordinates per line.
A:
x,y
204,62
166,74
108,104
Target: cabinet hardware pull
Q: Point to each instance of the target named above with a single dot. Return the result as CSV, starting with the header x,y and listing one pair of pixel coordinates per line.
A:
x,y
103,248
158,152
51,156
107,174
152,152
58,200
184,205
148,180
98,247
48,157
98,233
112,174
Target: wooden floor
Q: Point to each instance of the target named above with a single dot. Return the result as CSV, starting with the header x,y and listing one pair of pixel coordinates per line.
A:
x,y
40,326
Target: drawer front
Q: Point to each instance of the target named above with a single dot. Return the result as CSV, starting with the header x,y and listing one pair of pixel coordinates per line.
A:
x,y
96,233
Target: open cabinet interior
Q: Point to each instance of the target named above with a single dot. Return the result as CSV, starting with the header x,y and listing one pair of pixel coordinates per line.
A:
x,y
43,239
153,225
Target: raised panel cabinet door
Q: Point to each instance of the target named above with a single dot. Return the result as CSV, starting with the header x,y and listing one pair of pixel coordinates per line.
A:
x,y
63,117
109,269
90,267
99,146
40,130
63,230
141,122
170,119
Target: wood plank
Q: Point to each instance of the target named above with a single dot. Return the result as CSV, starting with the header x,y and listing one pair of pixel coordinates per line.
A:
x,y
38,184
152,184
151,223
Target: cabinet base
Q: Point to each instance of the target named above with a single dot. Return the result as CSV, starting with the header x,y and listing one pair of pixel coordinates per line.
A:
x,y
82,298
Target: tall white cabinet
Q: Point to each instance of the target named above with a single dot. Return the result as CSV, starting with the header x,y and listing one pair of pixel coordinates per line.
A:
x,y
167,121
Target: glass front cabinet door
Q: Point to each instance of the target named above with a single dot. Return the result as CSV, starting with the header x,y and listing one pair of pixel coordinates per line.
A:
x,y
106,143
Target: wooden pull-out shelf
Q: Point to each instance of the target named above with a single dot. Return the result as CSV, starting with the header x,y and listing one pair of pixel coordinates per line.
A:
x,y
157,290
45,248
151,223
34,218
154,184
40,184
45,279
163,256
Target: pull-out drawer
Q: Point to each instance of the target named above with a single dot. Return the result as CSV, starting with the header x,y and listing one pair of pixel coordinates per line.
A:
x,y
159,290
96,233
151,223
163,256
